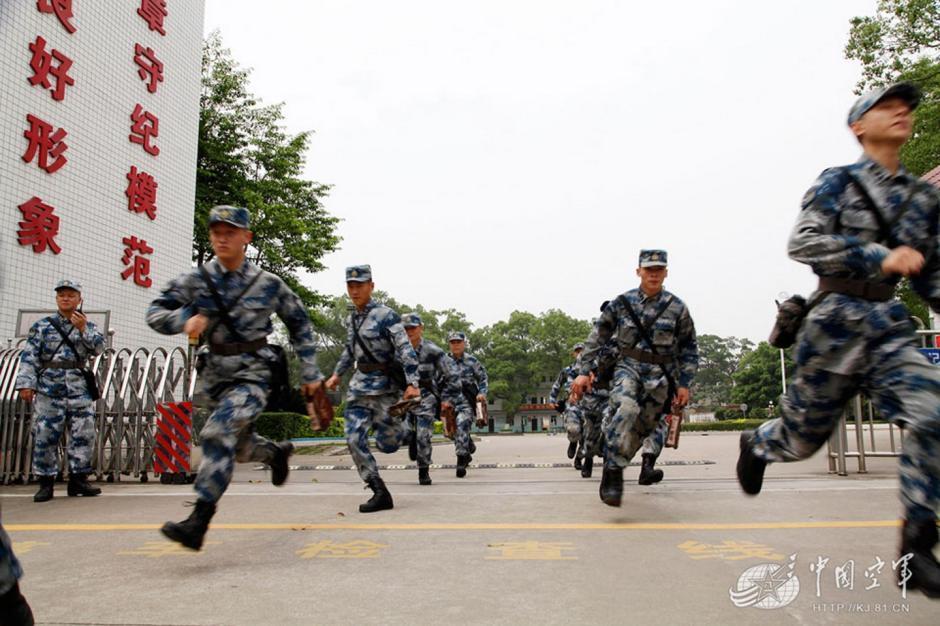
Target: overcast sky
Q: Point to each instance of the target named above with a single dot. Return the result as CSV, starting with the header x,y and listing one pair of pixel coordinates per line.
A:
x,y
500,156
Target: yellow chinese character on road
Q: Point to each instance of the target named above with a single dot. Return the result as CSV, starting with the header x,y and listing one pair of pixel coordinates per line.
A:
x,y
158,549
531,551
326,549
22,547
729,551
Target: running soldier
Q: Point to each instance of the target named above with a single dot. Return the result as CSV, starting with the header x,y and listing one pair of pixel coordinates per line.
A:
x,y
474,386
570,410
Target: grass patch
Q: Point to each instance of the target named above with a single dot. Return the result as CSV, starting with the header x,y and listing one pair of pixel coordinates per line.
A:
x,y
742,424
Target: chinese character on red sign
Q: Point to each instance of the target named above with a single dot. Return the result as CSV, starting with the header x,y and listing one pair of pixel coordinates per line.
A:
x,y
47,144
39,226
42,65
137,264
145,125
141,193
151,68
62,10
153,12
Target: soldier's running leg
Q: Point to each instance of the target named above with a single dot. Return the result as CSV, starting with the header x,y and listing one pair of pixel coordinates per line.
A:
x,y
48,423
593,415
81,447
425,431
652,447
573,419
363,413
14,609
462,439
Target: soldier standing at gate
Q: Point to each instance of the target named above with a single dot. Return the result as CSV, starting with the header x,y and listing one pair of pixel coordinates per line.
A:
x,y
53,374
474,386
863,227
230,302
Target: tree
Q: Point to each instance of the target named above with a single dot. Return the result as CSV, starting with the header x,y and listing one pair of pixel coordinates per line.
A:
x,y
757,379
245,158
718,361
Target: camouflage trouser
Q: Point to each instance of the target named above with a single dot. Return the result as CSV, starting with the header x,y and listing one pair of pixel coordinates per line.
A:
x,y
464,422
636,407
371,412
574,417
593,409
229,436
654,443
876,354
50,416
10,570
423,418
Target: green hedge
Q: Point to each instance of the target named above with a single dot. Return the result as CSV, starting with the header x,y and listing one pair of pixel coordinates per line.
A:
x,y
739,424
280,426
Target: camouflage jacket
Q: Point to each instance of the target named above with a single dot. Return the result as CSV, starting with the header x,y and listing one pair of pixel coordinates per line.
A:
x,y
438,374
563,383
44,344
471,372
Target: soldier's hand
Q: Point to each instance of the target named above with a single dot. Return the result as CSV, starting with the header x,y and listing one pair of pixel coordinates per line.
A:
x,y
79,320
196,325
481,398
309,389
411,392
27,395
681,399
903,260
446,406
580,385
332,383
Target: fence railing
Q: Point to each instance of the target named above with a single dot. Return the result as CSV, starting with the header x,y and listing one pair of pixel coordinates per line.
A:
x,y
132,384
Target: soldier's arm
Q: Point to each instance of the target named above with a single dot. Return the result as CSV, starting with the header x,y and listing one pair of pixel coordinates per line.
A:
x,y
26,377
292,312
404,352
815,242
483,381
93,339
688,348
927,283
556,386
601,333
176,304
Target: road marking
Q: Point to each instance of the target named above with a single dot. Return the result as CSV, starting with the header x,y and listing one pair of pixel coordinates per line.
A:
x,y
412,466
159,549
326,549
729,550
25,547
531,551
625,526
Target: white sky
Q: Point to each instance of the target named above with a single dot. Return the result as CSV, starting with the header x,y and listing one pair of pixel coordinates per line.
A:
x,y
500,156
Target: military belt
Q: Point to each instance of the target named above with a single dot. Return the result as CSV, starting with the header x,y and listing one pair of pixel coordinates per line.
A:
x,y
64,365
878,292
231,349
647,357
368,368
426,384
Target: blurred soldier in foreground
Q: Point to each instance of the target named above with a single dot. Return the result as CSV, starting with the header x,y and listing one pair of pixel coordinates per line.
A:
x,y
54,373
386,364
658,358
230,301
14,610
474,385
863,227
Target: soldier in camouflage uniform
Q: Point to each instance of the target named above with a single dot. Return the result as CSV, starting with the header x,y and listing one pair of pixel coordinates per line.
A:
x,y
474,385
655,369
14,610
571,411
235,371
376,346
862,227
51,374
440,388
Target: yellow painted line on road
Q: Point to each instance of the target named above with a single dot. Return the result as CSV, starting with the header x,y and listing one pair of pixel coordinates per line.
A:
x,y
475,526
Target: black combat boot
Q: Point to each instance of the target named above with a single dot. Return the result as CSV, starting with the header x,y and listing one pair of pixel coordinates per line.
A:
x,y
381,498
587,466
577,458
192,530
46,485
462,463
424,476
919,539
14,609
279,467
612,486
572,448
79,486
648,475
413,447
750,468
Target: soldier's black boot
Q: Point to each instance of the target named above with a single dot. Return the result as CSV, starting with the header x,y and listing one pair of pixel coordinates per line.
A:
x,y
413,447
577,458
46,485
750,468
192,530
612,486
279,463
572,448
648,475
381,499
14,609
79,486
462,463
919,539
424,476
587,466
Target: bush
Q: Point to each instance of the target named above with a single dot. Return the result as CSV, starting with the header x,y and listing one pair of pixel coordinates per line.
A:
x,y
738,424
728,414
280,426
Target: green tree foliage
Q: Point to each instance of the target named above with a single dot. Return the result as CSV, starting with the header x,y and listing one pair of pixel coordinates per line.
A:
x,y
718,361
245,158
757,379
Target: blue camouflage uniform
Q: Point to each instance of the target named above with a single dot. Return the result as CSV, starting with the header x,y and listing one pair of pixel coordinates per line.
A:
x,y
849,344
10,569
235,387
50,367
572,413
639,392
472,377
371,393
439,382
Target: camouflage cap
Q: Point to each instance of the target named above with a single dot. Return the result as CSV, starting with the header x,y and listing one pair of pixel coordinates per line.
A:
x,y
653,258
905,91
410,320
234,215
577,347
456,336
359,274
68,283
